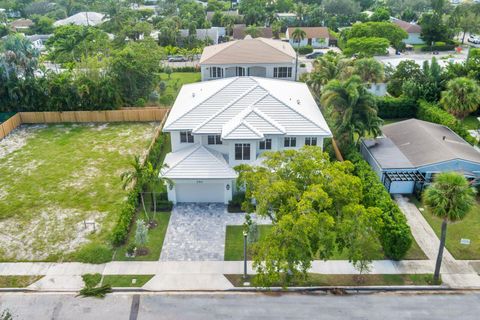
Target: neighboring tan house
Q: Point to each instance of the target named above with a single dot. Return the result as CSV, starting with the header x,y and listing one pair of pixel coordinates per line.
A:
x,y
239,32
219,124
21,25
317,37
257,57
413,30
411,152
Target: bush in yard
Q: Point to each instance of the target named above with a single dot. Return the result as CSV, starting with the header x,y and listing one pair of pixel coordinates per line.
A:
x,y
395,236
164,205
141,235
391,107
235,205
120,231
94,253
433,113
92,279
305,50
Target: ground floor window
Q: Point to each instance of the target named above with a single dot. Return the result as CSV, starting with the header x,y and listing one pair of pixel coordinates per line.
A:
x,y
311,141
290,142
282,72
216,72
242,151
240,71
215,139
186,137
266,145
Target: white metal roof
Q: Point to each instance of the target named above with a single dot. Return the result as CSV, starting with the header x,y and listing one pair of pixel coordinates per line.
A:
x,y
269,106
197,162
82,19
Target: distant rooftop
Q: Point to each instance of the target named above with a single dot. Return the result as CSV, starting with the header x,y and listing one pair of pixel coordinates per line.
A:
x,y
82,19
407,26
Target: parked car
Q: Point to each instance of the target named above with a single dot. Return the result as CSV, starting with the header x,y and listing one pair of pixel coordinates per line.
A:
x,y
177,59
474,39
314,55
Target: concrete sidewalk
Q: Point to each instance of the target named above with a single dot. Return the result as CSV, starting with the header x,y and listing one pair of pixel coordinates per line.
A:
x,y
455,273
183,275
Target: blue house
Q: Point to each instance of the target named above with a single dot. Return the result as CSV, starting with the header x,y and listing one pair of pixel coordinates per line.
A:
x,y
411,152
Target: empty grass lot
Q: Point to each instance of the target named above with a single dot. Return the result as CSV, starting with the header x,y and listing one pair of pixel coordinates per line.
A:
x,y
468,228
234,246
55,177
174,84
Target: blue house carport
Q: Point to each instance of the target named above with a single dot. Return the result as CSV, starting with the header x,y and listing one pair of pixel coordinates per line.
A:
x,y
411,152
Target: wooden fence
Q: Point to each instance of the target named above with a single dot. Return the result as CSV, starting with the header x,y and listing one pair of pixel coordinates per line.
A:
x,y
124,115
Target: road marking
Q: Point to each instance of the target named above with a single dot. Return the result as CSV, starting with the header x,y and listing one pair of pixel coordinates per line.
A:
x,y
135,307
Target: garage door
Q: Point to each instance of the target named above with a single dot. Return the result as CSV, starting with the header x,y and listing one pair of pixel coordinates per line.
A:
x,y
202,192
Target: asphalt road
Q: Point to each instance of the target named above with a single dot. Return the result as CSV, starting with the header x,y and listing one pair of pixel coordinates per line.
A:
x,y
243,306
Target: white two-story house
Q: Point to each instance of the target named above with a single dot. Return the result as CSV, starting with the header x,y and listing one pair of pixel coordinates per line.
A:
x,y
259,57
219,124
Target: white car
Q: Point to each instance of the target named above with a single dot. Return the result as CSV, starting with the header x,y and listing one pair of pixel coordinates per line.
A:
x,y
474,39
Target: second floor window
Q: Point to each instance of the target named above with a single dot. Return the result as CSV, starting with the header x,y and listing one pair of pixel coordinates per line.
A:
x,y
266,145
311,141
216,139
282,72
240,71
216,72
186,137
242,151
290,142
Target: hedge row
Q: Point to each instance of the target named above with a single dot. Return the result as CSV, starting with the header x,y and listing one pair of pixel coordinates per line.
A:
x,y
391,107
305,50
395,236
122,227
434,113
182,69
445,47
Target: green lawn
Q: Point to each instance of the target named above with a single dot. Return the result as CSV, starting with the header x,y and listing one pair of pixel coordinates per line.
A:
x,y
17,281
335,280
53,178
155,240
174,84
125,281
468,228
234,246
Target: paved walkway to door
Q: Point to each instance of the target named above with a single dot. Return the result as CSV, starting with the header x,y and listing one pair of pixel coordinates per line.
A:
x,y
196,232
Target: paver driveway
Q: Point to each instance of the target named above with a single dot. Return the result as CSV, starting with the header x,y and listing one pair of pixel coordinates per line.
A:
x,y
196,232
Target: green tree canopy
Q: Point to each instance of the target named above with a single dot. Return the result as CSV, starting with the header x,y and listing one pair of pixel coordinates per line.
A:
x,y
313,214
366,46
383,29
461,97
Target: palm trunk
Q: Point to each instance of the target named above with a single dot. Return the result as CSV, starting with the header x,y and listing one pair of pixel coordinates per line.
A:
x,y
154,204
296,62
436,276
143,204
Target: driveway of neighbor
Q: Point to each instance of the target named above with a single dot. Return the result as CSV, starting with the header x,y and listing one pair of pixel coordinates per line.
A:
x,y
196,232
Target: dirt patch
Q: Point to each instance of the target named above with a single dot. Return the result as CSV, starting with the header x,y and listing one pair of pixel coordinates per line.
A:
x,y
53,230
16,140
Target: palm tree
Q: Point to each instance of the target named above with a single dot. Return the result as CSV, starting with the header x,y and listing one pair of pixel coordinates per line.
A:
x,y
297,35
153,179
353,109
450,197
369,70
461,97
136,175
326,68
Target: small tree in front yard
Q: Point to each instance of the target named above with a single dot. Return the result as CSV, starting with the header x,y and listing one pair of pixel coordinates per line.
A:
x,y
450,198
141,234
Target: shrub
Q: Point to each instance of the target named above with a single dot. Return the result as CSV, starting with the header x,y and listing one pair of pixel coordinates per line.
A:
x,y
94,253
305,50
434,113
395,236
181,69
164,205
302,65
120,231
91,279
391,107
437,47
235,205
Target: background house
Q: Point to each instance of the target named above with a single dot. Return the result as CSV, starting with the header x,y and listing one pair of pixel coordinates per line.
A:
x,y
257,57
219,124
413,30
411,152
240,34
213,34
82,19
21,25
317,37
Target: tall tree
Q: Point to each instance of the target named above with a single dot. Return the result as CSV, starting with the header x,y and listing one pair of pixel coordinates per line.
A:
x,y
450,198
461,97
329,67
297,35
353,109
369,70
